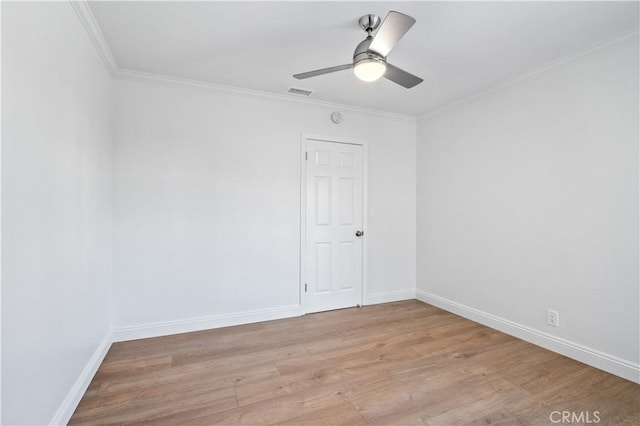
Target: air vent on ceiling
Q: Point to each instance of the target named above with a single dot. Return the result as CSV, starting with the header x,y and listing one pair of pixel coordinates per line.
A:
x,y
299,92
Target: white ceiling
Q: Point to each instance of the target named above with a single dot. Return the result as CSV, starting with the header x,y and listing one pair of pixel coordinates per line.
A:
x,y
459,48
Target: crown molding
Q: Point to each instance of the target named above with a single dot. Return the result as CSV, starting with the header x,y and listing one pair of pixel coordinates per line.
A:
x,y
81,7
127,74
531,73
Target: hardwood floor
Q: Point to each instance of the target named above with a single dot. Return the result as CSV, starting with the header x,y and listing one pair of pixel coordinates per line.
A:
x,y
392,364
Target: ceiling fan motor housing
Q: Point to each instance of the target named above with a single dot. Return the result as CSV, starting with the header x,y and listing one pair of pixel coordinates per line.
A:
x,y
362,52
368,23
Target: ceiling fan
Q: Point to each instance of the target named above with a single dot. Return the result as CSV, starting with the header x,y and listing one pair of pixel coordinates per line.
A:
x,y
370,57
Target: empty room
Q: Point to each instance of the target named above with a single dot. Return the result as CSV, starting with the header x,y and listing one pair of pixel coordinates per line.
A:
x,y
323,213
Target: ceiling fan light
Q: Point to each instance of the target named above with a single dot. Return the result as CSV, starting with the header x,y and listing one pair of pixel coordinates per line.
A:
x,y
369,69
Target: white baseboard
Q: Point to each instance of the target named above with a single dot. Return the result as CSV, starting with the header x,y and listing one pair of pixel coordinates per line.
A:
x,y
70,403
389,296
167,328
603,361
609,363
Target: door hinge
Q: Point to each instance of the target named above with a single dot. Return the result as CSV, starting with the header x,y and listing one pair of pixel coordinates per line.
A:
x,y
305,287
306,155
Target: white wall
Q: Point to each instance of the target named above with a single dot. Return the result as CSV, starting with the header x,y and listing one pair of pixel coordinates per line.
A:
x,y
56,104
207,203
528,200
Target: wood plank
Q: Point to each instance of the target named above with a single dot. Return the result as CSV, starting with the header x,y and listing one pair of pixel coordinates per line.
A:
x,y
397,363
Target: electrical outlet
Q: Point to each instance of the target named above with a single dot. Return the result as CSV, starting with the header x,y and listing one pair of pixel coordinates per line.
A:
x,y
553,318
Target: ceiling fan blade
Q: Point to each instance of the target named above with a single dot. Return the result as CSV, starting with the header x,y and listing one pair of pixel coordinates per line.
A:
x,y
395,26
401,77
322,71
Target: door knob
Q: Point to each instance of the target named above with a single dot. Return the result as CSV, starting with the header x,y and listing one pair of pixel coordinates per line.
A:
x,y
359,233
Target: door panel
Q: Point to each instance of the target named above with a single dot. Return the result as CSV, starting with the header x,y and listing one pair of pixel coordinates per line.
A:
x,y
323,200
323,267
334,214
347,261
345,205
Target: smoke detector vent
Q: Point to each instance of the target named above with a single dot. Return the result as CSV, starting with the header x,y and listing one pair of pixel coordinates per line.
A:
x,y
299,92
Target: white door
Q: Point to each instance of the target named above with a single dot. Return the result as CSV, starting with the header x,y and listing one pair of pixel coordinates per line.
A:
x,y
334,206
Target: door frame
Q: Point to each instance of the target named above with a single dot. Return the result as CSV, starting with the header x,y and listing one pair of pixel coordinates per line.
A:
x,y
304,137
